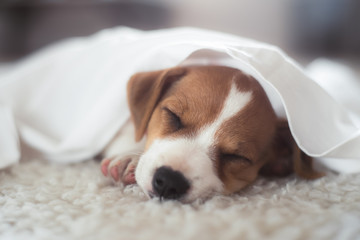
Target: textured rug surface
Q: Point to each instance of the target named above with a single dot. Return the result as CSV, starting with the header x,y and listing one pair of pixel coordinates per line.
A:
x,y
40,200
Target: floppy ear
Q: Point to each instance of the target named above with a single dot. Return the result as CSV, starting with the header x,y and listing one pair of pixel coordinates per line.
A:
x,y
144,91
285,157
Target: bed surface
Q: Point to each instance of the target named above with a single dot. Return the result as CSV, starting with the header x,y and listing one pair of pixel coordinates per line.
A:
x,y
41,200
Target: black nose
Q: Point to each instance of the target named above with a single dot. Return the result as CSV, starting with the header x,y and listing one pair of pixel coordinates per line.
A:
x,y
169,184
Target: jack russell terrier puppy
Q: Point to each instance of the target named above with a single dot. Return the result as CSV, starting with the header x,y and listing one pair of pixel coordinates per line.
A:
x,y
200,131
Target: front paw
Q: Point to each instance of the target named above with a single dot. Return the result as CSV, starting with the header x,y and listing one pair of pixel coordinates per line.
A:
x,y
120,168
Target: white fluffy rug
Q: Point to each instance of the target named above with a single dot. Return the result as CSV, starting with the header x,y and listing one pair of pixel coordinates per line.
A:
x,y
40,200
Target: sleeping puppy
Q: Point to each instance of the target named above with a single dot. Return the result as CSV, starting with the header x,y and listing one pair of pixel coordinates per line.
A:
x,y
199,131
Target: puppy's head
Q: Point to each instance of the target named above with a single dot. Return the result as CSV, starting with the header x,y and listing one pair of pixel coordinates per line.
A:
x,y
209,129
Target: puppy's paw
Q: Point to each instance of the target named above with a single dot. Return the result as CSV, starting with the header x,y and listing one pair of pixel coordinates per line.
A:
x,y
120,168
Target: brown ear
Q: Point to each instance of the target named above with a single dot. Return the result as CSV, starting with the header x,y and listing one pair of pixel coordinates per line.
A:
x,y
144,91
285,157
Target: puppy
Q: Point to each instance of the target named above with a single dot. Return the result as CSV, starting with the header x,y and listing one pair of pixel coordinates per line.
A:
x,y
199,131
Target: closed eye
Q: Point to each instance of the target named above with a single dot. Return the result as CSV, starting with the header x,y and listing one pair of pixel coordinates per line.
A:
x,y
173,120
234,157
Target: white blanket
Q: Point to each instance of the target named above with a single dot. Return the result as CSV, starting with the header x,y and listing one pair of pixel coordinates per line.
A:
x,y
67,101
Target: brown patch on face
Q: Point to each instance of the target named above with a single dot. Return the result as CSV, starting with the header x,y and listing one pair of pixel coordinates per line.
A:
x,y
243,139
196,100
144,91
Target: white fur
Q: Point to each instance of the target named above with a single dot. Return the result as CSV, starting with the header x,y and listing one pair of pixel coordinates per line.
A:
x,y
124,143
191,156
187,156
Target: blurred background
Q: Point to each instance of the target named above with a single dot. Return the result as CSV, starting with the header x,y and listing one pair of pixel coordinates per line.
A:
x,y
305,29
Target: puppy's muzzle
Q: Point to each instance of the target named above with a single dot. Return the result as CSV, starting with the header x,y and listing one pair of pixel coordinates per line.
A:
x,y
169,184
